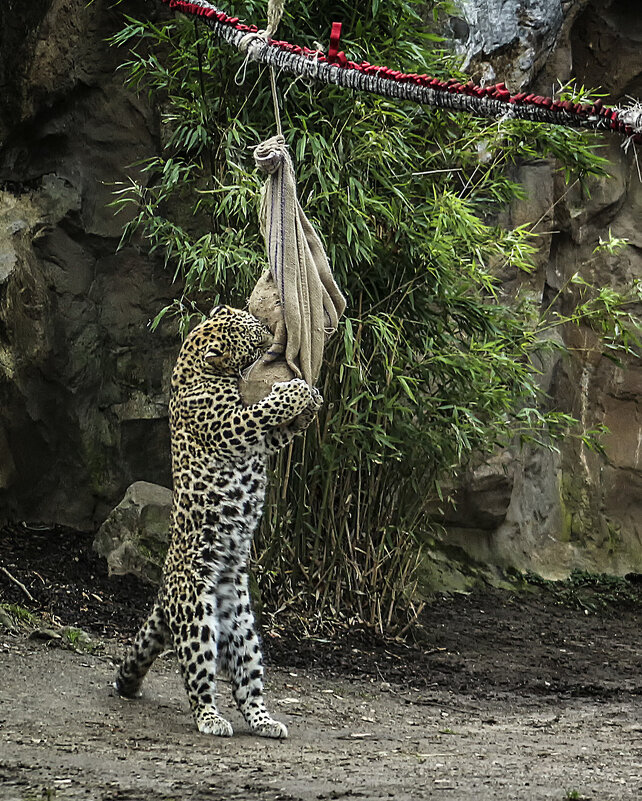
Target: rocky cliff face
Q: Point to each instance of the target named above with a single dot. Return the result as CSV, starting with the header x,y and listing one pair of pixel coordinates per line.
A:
x,y
83,382
553,512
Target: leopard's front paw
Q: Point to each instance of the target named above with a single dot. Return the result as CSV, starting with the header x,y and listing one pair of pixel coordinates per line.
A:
x,y
292,396
316,401
296,387
210,722
303,420
272,729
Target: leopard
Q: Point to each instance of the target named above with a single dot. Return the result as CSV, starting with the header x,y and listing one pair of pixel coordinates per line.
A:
x,y
219,451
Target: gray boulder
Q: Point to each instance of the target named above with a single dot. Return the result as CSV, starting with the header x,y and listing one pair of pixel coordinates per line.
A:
x,y
515,40
135,536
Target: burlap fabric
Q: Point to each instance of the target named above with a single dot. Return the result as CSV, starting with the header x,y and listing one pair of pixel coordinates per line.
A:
x,y
299,299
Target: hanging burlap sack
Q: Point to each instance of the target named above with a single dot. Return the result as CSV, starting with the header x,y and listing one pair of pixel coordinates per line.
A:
x,y
297,298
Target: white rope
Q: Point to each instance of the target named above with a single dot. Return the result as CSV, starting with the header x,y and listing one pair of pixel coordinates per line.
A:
x,y
307,65
249,44
275,102
274,14
631,115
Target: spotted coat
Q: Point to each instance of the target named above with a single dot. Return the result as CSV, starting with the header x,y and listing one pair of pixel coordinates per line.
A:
x,y
219,455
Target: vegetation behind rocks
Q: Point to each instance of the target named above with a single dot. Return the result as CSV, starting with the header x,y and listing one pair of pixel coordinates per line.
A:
x,y
434,362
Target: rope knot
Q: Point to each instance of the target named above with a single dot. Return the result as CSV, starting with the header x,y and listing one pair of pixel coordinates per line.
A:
x,y
271,154
631,115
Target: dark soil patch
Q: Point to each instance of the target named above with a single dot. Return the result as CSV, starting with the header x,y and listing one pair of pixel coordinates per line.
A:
x,y
504,695
69,582
494,641
550,640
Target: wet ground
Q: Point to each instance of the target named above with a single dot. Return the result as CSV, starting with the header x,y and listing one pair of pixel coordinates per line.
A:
x,y
506,696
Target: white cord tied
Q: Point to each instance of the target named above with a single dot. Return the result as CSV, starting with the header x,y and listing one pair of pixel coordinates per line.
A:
x,y
274,14
246,45
631,115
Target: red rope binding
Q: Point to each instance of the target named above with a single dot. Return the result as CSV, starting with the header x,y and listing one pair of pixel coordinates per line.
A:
x,y
333,50
603,116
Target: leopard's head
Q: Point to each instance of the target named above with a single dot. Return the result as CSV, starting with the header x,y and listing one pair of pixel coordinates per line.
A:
x,y
226,343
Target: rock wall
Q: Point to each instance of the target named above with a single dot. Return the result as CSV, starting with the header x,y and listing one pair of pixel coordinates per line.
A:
x,y
555,512
83,382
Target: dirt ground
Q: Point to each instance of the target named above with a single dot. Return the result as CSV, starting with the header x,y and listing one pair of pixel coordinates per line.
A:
x,y
505,696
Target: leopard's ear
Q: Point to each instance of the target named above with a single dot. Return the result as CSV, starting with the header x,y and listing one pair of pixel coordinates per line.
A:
x,y
216,310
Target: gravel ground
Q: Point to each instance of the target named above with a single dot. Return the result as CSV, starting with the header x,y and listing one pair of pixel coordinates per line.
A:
x,y
504,696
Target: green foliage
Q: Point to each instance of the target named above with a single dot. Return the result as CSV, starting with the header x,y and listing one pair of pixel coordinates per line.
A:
x,y
77,639
18,613
74,636
592,592
432,363
575,795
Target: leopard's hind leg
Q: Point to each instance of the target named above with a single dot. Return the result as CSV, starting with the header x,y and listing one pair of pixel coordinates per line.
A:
x,y
241,656
194,626
152,638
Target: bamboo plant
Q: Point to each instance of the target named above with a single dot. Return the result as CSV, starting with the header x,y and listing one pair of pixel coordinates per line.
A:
x,y
433,363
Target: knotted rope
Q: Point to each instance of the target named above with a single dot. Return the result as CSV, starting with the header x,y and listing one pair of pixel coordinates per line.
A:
x,y
311,301
484,101
274,14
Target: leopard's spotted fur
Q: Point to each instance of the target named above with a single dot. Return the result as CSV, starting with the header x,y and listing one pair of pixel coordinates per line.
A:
x,y
219,454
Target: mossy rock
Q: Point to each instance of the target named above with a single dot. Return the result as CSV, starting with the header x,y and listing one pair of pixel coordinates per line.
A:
x,y
135,536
